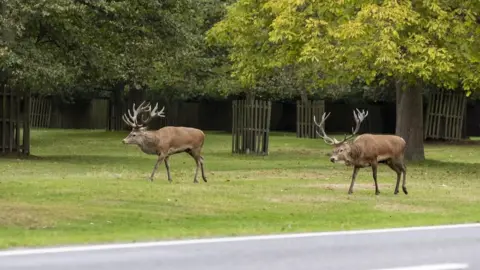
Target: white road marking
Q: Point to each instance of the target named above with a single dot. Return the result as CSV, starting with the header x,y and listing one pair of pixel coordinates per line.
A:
x,y
33,251
451,266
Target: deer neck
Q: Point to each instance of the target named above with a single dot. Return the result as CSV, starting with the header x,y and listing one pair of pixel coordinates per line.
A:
x,y
353,154
149,143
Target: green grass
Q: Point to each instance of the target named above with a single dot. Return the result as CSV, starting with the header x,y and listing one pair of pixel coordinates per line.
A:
x,y
87,187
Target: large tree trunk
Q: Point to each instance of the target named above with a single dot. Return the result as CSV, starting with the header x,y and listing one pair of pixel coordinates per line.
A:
x,y
409,124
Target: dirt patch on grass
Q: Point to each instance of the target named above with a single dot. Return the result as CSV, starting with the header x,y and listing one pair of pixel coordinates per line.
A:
x,y
466,197
302,152
302,198
35,216
404,208
357,186
269,174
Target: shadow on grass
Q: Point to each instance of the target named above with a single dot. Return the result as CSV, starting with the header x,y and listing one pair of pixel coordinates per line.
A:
x,y
447,165
463,142
73,133
129,160
84,159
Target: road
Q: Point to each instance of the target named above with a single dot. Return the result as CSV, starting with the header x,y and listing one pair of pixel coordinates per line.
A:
x,y
434,248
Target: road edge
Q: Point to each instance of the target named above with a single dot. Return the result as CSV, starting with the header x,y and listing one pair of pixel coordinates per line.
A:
x,y
45,250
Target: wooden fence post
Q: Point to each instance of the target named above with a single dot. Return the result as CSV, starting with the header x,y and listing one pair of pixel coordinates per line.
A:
x,y
305,113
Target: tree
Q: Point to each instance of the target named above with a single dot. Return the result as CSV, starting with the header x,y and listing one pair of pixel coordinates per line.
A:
x,y
85,44
412,43
203,71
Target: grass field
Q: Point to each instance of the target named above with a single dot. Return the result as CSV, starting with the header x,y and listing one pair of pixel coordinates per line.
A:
x,y
87,187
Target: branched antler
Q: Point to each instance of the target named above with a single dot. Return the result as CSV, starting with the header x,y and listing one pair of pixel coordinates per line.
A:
x,y
153,113
132,118
359,116
321,126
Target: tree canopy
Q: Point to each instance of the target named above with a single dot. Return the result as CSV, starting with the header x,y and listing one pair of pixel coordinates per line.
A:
x,y
336,42
55,45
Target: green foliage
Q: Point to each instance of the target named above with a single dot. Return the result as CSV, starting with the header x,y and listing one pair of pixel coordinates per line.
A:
x,y
342,41
81,44
200,70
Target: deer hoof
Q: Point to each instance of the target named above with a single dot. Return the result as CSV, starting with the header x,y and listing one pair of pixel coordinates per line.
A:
x,y
395,192
150,179
195,181
377,192
405,190
205,180
350,192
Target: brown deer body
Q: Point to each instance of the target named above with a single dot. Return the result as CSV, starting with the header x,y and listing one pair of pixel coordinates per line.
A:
x,y
368,150
165,141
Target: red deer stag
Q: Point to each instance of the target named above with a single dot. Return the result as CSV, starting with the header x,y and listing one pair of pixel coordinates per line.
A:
x,y
163,142
367,150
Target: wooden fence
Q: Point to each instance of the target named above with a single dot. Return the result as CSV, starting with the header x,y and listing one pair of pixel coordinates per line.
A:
x,y
98,113
46,113
305,112
251,126
445,115
14,122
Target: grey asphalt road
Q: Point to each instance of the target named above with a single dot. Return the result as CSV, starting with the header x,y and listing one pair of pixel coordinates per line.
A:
x,y
369,250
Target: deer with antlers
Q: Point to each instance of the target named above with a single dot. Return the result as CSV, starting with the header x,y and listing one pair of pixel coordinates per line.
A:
x,y
367,150
165,141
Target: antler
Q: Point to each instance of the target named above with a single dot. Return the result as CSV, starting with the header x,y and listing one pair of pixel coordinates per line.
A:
x,y
153,113
132,119
359,116
324,136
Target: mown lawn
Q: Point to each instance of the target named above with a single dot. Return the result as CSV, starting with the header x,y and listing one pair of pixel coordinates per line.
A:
x,y
87,187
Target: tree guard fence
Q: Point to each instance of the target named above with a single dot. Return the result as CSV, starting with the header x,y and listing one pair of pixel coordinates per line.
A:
x,y
14,122
445,115
41,112
251,126
305,113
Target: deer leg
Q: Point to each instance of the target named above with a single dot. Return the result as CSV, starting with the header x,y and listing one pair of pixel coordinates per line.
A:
x,y
398,171
374,172
203,171
196,172
159,160
167,166
354,176
197,161
404,185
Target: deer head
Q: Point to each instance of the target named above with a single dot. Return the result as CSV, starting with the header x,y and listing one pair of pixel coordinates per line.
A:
x,y
139,128
341,150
